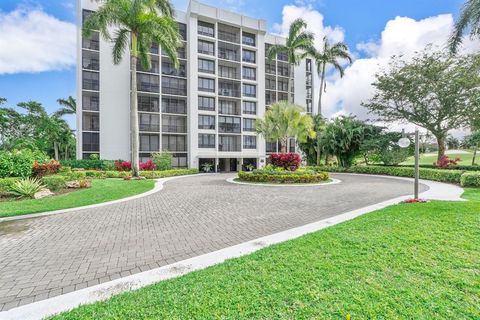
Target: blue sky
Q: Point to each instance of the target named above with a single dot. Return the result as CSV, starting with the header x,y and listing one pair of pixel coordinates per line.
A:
x,y
359,22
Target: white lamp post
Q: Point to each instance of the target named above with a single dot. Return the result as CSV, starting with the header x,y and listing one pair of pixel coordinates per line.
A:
x,y
404,142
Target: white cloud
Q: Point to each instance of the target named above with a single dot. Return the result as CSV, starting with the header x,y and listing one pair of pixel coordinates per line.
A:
x,y
401,35
33,41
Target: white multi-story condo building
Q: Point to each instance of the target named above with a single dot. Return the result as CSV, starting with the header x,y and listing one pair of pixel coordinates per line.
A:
x,y
204,111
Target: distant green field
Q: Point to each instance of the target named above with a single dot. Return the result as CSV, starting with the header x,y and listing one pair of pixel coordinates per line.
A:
x,y
429,158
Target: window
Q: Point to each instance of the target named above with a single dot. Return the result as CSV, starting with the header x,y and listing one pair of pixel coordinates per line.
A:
x,y
283,85
228,51
249,107
90,141
267,47
148,103
86,14
249,56
228,72
249,90
149,122
248,124
206,66
270,97
174,105
91,42
148,83
229,88
90,101
249,142
206,47
282,70
174,86
169,69
174,142
229,143
90,80
270,67
291,145
206,29
270,84
182,29
149,142
179,160
205,84
228,107
206,140
171,123
154,65
229,124
282,56
282,96
248,39
249,73
308,65
228,33
90,121
206,103
309,106
181,52
206,122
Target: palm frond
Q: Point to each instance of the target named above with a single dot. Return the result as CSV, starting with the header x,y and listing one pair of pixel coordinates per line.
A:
x,y
469,17
274,50
120,44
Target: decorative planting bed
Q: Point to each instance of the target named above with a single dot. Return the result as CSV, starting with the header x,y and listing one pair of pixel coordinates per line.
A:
x,y
280,176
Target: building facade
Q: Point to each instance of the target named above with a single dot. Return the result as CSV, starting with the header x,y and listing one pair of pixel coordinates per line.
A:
x,y
202,112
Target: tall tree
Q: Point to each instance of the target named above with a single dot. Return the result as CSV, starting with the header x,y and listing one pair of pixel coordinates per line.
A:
x,y
434,90
313,147
69,106
469,18
284,120
331,54
297,45
138,25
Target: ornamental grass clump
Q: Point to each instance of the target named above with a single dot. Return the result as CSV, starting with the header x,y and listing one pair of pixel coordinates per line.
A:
x,y
26,187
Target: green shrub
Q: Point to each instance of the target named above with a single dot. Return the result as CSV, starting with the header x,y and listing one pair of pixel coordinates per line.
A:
x,y
108,165
456,167
162,160
55,182
6,183
95,174
442,175
299,176
18,163
86,164
167,173
74,175
117,174
470,179
26,187
64,170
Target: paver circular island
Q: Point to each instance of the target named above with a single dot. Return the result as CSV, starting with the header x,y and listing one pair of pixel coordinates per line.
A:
x,y
273,175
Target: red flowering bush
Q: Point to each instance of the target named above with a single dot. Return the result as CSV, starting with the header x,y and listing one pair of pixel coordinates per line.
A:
x,y
127,165
288,161
147,166
445,162
121,165
413,200
43,169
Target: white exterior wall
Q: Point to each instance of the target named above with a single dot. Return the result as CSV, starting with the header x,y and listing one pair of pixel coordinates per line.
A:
x,y
115,87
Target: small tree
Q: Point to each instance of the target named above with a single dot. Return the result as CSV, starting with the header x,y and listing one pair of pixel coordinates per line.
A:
x,y
383,147
344,137
313,147
284,121
473,141
435,91
162,160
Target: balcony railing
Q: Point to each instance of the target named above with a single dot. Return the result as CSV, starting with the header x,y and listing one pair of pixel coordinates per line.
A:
x,y
174,109
148,87
228,55
229,36
174,72
229,92
228,74
149,127
174,128
229,127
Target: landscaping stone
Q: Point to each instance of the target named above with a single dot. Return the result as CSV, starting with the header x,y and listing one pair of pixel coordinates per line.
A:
x,y
43,193
72,184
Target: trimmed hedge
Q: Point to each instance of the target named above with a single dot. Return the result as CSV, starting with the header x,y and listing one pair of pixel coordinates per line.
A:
x,y
457,167
167,173
441,175
470,179
89,164
287,177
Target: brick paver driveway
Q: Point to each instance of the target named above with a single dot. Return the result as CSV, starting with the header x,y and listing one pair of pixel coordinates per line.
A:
x,y
52,255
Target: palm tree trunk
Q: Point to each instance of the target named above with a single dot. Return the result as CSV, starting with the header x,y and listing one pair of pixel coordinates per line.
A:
x,y
319,153
55,150
474,154
322,84
66,152
290,84
133,113
284,144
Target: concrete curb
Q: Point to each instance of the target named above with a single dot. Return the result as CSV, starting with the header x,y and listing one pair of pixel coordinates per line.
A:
x,y
158,186
44,308
332,181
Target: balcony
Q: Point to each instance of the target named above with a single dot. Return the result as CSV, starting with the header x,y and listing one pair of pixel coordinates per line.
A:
x,y
228,51
229,143
229,124
229,107
228,33
169,69
228,70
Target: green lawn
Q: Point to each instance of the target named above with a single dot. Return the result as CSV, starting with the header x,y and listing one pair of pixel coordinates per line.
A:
x,y
101,191
430,158
408,261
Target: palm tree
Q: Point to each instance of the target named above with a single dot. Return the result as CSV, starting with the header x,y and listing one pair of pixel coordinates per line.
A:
x,y
284,120
69,106
319,126
329,55
296,47
469,18
138,25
